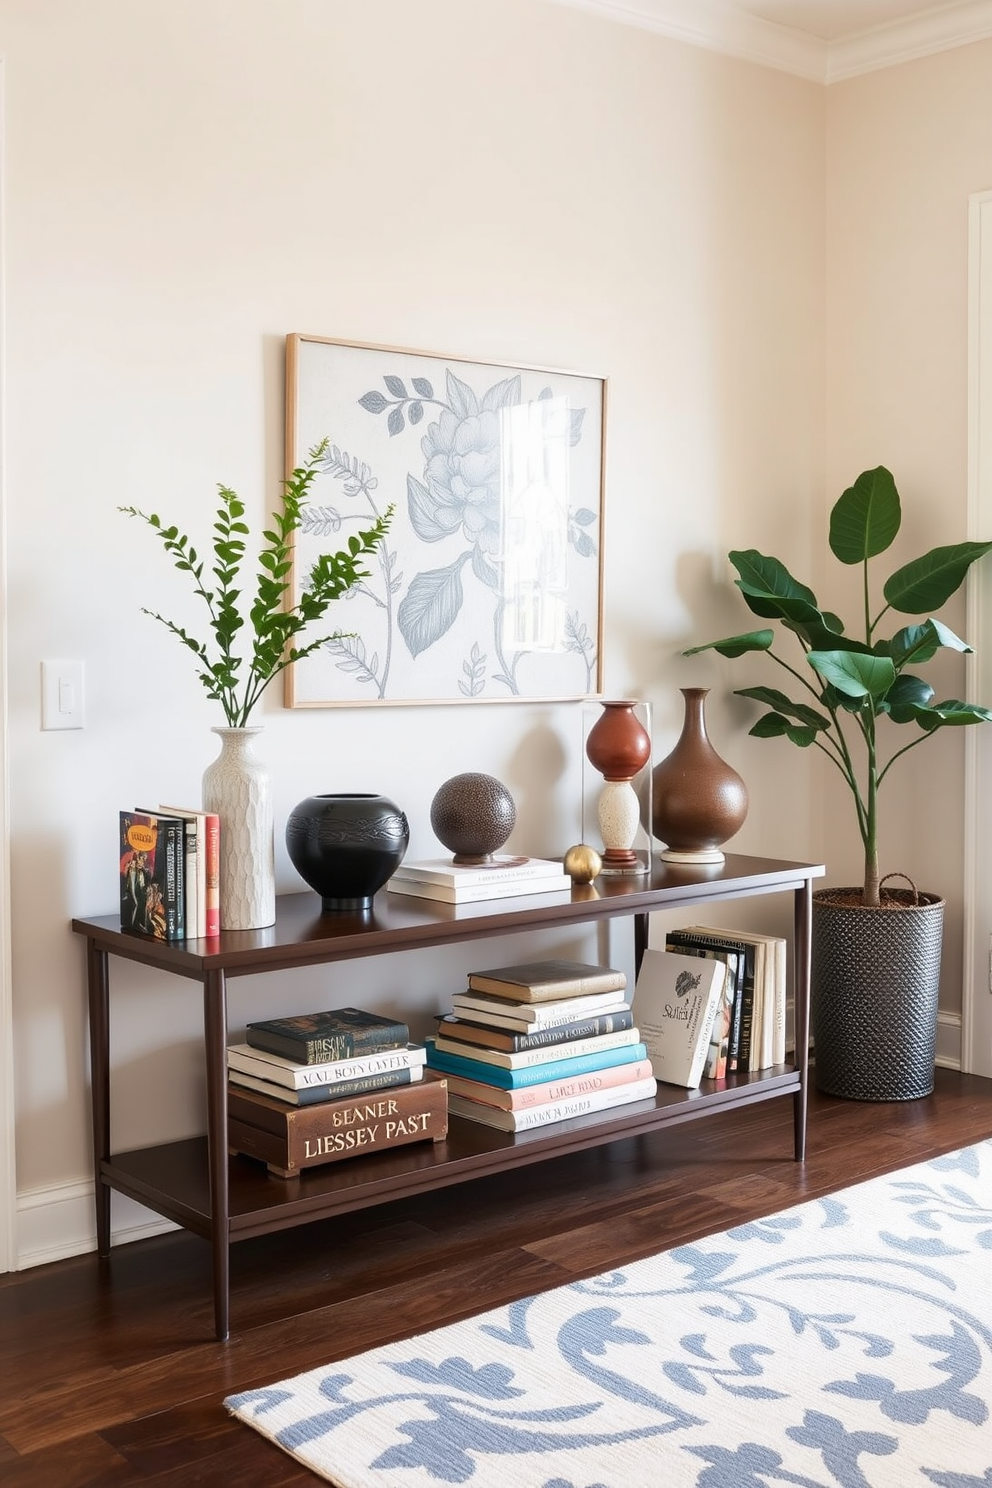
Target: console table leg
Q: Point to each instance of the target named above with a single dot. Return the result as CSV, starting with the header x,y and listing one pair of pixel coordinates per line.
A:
x,y
215,1031
641,922
98,993
803,940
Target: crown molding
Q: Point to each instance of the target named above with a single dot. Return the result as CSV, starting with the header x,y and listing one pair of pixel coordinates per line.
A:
x,y
722,27
905,41
719,28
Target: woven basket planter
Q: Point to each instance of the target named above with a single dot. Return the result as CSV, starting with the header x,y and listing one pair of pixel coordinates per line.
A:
x,y
875,980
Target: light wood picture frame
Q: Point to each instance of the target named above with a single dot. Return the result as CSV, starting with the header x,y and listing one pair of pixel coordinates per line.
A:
x,y
488,587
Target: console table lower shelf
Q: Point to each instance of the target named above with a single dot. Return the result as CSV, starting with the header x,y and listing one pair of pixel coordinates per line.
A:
x,y
198,1185
174,1178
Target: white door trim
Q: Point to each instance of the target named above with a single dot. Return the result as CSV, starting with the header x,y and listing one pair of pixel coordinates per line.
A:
x,y
8,1185
976,1006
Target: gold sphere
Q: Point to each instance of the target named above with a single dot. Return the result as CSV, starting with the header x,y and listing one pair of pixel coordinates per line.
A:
x,y
582,863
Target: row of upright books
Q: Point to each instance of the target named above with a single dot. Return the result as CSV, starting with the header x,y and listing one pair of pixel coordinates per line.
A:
x,y
540,1042
751,1024
320,1087
169,868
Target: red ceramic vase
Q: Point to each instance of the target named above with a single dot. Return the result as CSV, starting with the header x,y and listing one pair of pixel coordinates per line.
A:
x,y
618,744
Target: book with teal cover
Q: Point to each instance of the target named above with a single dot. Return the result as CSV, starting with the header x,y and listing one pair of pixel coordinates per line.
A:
x,y
535,1074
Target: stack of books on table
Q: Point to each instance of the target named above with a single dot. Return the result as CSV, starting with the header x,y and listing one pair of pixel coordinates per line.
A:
x,y
466,883
324,1086
541,1042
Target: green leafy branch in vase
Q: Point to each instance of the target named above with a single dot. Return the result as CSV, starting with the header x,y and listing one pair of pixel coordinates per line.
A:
x,y
238,681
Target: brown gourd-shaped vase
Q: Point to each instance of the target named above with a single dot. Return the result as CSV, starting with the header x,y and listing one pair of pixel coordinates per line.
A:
x,y
619,747
698,801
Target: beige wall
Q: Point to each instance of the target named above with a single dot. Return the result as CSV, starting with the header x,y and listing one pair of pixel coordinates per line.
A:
x,y
905,149
749,258
188,181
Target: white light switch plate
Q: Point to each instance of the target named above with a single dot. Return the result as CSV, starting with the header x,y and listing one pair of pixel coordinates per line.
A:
x,y
62,695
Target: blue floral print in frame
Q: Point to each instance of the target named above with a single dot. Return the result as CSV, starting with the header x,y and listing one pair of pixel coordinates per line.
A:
x,y
488,586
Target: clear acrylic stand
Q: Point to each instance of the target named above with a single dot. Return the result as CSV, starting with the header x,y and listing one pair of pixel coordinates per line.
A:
x,y
592,792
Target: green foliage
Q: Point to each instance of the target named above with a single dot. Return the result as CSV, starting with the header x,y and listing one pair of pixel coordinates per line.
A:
x,y
238,681
852,683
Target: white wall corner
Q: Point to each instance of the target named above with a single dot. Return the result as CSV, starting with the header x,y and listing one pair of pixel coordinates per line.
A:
x,y
59,1221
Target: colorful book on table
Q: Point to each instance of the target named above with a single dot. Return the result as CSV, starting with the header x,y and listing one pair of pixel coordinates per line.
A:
x,y
529,1017
535,1074
525,1096
312,1095
701,936
465,1031
321,1038
546,981
763,1038
195,876
295,1075
676,1000
536,1116
718,1060
526,1058
151,860
206,830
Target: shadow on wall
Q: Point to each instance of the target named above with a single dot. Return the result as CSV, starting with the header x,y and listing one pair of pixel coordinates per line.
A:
x,y
548,820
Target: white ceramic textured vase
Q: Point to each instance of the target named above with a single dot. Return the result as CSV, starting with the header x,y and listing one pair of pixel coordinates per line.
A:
x,y
619,813
237,787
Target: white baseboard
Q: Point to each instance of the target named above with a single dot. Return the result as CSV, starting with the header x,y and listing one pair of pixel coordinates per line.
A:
x,y
949,1040
59,1221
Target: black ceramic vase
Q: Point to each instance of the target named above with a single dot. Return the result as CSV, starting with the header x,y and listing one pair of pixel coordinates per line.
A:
x,y
346,846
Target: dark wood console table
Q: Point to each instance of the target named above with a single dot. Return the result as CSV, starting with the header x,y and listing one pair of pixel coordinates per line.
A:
x,y
196,1183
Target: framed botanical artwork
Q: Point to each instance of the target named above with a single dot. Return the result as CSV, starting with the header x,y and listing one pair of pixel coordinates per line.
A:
x,y
488,587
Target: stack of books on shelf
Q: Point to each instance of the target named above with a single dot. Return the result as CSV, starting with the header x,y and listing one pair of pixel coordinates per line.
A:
x,y
755,993
465,883
169,866
325,1086
541,1042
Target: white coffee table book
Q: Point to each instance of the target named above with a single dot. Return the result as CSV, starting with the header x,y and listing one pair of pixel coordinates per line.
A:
x,y
676,1000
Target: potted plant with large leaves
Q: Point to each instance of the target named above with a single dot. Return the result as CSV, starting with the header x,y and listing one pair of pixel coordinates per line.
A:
x,y
876,950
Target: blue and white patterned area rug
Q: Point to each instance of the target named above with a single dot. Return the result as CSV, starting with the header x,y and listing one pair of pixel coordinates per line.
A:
x,y
846,1343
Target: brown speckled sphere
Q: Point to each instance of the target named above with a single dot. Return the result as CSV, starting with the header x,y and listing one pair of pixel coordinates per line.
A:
x,y
473,815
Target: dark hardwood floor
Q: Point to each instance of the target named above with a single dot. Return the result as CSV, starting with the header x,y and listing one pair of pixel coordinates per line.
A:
x,y
109,1373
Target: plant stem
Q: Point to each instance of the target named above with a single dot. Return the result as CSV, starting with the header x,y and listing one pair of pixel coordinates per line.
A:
x,y
870,832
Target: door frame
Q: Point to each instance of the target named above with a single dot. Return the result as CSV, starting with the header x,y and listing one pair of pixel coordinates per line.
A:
x,y
8,1184
976,992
